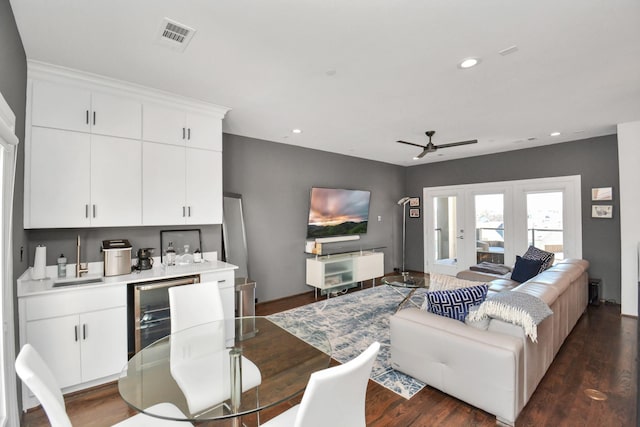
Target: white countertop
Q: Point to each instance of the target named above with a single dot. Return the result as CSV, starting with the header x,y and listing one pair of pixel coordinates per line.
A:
x,y
28,286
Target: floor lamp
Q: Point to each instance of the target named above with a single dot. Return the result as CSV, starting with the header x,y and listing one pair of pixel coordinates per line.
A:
x,y
404,202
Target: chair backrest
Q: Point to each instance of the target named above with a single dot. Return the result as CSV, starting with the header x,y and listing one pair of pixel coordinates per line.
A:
x,y
35,373
336,396
196,304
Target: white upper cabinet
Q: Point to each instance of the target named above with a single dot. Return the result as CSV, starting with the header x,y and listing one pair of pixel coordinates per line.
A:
x,y
163,180
82,180
85,163
59,185
203,187
60,106
69,107
116,116
116,182
177,126
181,185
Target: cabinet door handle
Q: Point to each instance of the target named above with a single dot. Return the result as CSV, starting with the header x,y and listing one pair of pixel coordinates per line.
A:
x,y
94,211
183,133
76,332
189,133
183,211
94,118
189,211
87,117
84,331
86,211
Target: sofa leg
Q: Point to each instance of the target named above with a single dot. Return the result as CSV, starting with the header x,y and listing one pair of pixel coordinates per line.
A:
x,y
503,422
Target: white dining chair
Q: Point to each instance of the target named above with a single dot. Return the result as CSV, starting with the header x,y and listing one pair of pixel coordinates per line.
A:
x,y
35,373
196,304
334,396
199,359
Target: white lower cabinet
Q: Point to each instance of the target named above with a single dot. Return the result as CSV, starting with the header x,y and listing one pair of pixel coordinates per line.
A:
x,y
80,334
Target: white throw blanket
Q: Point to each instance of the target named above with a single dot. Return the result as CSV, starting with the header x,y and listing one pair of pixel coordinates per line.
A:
x,y
514,307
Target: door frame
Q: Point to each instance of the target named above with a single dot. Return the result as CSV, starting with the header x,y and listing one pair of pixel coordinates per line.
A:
x,y
514,215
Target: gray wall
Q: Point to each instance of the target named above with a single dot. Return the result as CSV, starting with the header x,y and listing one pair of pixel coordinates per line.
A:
x,y
63,240
274,181
13,86
595,159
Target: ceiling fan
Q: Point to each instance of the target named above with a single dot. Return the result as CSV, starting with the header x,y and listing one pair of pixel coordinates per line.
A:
x,y
430,147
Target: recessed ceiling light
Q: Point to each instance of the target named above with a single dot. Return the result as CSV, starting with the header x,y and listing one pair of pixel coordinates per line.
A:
x,y
297,131
468,63
554,134
416,158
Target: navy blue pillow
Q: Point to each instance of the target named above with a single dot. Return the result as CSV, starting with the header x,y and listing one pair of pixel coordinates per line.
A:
x,y
525,269
457,302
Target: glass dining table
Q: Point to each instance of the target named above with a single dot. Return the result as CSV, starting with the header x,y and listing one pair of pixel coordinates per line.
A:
x,y
211,376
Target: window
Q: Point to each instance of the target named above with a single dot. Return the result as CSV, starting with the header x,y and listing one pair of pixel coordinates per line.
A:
x,y
544,222
489,228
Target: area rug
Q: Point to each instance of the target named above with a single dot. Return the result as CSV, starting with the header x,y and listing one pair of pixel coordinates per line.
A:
x,y
352,322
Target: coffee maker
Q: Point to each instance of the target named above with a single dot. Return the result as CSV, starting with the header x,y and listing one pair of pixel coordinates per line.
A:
x,y
145,261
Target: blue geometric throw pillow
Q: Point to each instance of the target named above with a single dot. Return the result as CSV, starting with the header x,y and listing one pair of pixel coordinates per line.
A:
x,y
457,302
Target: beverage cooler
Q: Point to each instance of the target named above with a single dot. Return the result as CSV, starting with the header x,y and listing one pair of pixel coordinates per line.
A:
x,y
149,316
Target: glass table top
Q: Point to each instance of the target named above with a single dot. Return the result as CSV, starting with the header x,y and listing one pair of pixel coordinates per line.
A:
x,y
196,370
407,281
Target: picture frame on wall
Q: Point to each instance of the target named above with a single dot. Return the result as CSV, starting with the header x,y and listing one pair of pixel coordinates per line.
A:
x,y
602,211
602,193
414,213
414,202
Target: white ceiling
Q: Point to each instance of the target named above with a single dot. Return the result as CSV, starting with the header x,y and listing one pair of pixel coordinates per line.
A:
x,y
358,75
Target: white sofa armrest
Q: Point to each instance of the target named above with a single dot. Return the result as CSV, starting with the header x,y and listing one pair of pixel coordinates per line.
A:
x,y
482,368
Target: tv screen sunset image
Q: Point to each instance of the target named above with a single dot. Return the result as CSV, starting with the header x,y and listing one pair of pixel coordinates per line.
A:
x,y
336,212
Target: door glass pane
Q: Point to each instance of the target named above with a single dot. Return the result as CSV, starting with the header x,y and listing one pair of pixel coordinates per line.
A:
x,y
490,228
445,225
544,222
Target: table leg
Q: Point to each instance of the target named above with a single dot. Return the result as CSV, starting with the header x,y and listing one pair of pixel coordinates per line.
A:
x,y
235,354
409,295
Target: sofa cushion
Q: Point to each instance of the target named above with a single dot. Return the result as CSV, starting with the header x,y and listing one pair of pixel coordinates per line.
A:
x,y
456,303
444,282
525,269
534,253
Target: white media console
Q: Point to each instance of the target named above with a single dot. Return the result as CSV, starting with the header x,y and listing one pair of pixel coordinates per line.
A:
x,y
334,272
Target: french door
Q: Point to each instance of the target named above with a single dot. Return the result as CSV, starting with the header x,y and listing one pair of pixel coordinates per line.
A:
x,y
493,222
446,231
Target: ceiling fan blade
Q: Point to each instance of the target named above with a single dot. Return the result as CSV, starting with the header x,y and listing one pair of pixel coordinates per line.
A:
x,y
453,144
424,152
411,143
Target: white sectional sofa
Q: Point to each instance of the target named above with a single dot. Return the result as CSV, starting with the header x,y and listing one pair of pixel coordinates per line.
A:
x,y
497,369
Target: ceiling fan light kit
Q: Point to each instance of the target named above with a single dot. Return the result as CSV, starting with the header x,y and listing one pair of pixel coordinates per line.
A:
x,y
430,147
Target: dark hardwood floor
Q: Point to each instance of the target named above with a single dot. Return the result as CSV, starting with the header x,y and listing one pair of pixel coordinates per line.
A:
x,y
600,354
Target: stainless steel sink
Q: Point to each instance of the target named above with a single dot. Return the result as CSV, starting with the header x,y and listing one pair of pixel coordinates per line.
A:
x,y
73,282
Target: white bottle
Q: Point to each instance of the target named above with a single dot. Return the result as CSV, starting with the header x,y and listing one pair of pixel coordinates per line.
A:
x,y
62,266
187,258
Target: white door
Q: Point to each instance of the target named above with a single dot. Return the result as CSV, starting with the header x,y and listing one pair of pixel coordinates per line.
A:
x,y
59,106
204,131
163,184
59,187
57,340
204,186
445,233
104,342
163,124
116,181
116,116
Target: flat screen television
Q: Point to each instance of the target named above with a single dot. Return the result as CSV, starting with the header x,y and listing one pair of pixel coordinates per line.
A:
x,y
337,212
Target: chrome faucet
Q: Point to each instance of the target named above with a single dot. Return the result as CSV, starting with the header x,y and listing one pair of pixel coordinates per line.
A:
x,y
79,269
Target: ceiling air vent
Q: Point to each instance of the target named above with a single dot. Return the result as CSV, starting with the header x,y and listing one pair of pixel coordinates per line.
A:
x,y
174,34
